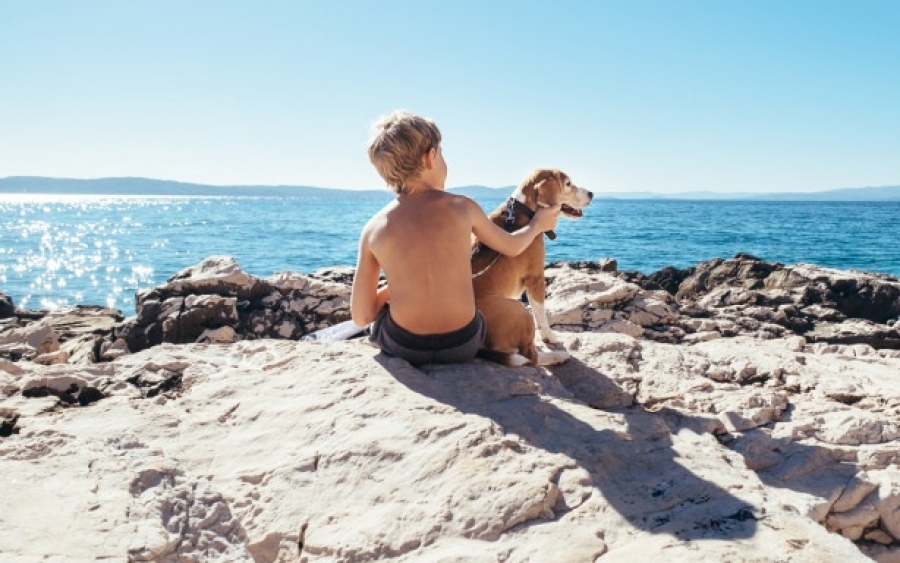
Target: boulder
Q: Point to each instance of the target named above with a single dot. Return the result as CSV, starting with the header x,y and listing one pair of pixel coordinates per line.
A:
x,y
855,331
600,301
217,275
887,500
28,342
198,303
822,304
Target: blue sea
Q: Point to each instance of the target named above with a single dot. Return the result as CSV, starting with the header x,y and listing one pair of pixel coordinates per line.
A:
x,y
99,250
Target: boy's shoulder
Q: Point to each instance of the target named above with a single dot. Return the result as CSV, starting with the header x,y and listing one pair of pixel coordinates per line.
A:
x,y
455,199
441,197
380,216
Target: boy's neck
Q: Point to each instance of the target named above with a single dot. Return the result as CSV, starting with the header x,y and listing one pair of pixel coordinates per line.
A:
x,y
415,187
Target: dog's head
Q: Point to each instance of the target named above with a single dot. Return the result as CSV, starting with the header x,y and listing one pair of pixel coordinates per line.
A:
x,y
548,187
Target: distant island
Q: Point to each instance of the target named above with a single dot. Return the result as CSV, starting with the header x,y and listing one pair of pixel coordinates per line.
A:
x,y
151,187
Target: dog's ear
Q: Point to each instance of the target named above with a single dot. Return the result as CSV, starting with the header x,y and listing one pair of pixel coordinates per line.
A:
x,y
562,178
541,187
548,189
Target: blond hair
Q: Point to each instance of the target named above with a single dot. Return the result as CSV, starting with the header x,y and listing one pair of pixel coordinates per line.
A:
x,y
399,141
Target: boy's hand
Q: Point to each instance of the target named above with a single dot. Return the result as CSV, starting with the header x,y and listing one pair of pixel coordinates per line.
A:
x,y
545,218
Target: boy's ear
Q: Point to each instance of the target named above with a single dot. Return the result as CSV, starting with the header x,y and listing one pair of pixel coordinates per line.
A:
x,y
427,160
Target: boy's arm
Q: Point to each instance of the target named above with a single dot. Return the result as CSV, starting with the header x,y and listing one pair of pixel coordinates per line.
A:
x,y
382,297
366,299
514,243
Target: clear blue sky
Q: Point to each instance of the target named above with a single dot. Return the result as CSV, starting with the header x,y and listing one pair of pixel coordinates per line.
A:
x,y
633,95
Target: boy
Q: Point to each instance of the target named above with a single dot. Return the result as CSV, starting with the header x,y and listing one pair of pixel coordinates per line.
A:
x,y
422,241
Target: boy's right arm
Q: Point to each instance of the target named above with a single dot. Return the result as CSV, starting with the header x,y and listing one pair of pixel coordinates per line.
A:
x,y
365,298
514,243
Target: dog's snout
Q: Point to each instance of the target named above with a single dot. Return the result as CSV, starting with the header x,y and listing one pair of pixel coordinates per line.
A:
x,y
590,195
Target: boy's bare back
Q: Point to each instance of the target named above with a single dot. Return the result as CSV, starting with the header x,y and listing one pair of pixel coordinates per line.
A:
x,y
422,242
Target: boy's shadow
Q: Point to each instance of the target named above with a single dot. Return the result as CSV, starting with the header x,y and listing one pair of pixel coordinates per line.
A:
x,y
631,454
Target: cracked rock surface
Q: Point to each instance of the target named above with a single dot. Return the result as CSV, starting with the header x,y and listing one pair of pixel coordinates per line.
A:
x,y
745,443
272,450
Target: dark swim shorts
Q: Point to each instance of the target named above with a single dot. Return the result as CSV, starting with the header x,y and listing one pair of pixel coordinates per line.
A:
x,y
449,347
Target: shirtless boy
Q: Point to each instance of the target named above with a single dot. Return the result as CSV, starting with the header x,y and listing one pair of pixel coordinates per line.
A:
x,y
422,240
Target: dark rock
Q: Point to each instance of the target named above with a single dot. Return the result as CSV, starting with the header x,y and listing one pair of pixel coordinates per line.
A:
x,y
816,302
589,266
743,271
644,281
790,317
608,265
8,426
7,309
163,382
216,275
216,293
639,279
866,299
83,319
336,274
137,336
670,278
855,331
875,297
29,315
216,301
202,313
73,395
77,330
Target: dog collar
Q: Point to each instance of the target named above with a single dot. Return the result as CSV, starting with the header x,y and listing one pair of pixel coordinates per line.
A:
x,y
512,206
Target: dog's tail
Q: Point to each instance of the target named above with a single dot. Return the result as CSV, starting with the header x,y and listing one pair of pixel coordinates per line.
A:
x,y
504,358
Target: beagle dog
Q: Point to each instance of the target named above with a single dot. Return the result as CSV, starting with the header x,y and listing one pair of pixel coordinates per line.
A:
x,y
499,280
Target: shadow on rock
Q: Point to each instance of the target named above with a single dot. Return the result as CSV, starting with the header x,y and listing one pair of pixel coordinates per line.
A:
x,y
822,483
635,461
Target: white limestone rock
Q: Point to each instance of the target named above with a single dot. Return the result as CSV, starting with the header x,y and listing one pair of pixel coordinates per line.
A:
x,y
258,452
29,341
221,335
573,292
211,271
854,427
888,499
111,350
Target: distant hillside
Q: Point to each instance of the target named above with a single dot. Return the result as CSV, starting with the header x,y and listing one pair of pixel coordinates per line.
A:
x,y
884,193
148,186
483,192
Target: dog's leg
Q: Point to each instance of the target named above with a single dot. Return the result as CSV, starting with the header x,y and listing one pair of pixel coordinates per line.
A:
x,y
540,319
513,359
552,358
536,289
536,300
516,360
510,331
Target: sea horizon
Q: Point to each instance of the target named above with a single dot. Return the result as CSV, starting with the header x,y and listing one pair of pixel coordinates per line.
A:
x,y
149,187
59,251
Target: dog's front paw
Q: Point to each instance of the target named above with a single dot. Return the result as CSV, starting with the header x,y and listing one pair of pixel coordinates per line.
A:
x,y
552,358
549,337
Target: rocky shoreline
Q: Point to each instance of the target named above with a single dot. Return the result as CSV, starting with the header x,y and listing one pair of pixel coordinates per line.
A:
x,y
736,410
